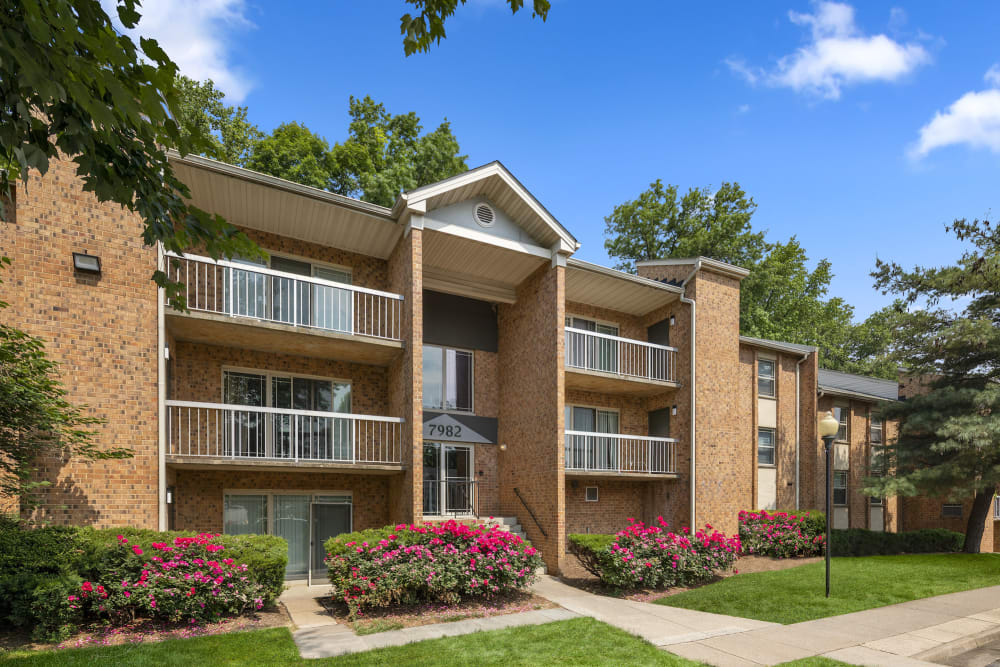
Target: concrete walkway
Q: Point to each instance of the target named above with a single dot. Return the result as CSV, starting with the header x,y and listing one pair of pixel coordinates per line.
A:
x,y
921,632
911,633
318,635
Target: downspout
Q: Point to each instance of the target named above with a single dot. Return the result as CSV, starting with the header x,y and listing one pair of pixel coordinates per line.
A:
x,y
161,397
694,396
798,433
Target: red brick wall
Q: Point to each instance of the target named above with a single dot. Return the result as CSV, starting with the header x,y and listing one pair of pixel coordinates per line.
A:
x,y
405,374
102,331
198,494
618,501
531,409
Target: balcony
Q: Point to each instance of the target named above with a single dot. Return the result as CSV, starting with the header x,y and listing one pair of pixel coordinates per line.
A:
x,y
272,311
213,434
615,455
612,364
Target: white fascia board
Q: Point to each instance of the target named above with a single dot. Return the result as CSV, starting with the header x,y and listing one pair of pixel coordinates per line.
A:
x,y
621,275
489,239
706,263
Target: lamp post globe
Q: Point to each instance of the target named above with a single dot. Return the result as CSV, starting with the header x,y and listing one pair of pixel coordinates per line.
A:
x,y
828,427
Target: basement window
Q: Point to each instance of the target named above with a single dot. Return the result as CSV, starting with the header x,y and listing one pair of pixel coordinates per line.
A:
x,y
951,510
591,496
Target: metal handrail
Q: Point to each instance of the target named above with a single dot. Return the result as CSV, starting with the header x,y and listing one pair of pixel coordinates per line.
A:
x,y
619,453
434,486
655,346
605,353
538,523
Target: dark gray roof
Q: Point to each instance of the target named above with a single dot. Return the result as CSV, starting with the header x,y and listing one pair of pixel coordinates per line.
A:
x,y
860,386
778,345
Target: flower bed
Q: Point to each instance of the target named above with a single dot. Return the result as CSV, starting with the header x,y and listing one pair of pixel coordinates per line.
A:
x,y
53,579
779,534
649,556
445,563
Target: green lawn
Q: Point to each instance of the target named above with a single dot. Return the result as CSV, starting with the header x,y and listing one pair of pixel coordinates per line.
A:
x,y
582,641
790,596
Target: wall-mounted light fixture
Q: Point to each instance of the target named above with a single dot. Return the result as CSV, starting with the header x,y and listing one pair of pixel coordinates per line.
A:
x,y
87,263
673,410
503,447
673,320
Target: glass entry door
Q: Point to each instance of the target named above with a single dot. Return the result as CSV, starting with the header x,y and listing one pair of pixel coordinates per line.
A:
x,y
291,521
449,485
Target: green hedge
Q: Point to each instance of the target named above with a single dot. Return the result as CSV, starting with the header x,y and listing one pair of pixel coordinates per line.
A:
x,y
860,542
41,566
591,549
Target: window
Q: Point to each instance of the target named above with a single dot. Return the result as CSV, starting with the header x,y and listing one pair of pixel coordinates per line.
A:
x,y
841,413
592,325
840,487
591,496
765,446
447,379
996,508
875,430
765,378
592,352
586,450
877,501
951,510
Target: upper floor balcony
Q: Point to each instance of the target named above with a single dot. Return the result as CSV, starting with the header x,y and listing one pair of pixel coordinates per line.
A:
x,y
210,434
260,308
612,364
591,454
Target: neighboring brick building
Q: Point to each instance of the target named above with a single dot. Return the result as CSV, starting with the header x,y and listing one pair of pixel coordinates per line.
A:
x,y
445,357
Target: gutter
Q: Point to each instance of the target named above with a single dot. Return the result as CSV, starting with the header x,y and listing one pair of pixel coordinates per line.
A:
x,y
694,395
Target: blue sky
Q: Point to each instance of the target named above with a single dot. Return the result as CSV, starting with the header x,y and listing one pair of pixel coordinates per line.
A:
x,y
861,129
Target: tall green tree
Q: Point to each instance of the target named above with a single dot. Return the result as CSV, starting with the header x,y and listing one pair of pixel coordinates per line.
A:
x,y
36,419
661,223
949,436
781,298
385,154
71,84
294,152
201,110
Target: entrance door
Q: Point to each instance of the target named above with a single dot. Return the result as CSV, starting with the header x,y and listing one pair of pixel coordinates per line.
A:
x,y
449,486
328,520
291,521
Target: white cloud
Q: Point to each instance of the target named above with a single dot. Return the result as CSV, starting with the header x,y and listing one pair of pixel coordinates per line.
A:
x,y
743,108
992,75
837,55
196,35
972,120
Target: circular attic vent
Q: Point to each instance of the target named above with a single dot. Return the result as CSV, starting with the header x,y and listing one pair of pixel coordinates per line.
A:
x,y
484,215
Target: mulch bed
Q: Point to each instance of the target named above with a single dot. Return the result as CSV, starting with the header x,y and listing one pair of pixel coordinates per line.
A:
x,y
575,575
396,618
144,631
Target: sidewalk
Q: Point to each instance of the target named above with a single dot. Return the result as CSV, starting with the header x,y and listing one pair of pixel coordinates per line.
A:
x,y
910,633
318,635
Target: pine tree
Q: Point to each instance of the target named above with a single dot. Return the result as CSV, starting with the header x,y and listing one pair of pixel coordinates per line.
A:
x,y
949,336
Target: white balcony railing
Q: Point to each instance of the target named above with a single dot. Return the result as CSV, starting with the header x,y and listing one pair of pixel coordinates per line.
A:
x,y
241,290
594,351
273,434
611,452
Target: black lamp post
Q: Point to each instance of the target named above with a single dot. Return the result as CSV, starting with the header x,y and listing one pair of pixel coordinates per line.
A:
x,y
828,427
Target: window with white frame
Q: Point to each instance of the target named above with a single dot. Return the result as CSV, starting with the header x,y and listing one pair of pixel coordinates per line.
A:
x,y
765,446
875,429
840,487
447,379
765,378
996,508
591,494
842,414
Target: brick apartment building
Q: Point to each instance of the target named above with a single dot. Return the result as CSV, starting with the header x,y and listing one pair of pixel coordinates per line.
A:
x,y
445,357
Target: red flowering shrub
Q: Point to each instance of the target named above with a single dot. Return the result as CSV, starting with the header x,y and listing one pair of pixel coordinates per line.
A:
x,y
446,562
778,534
188,580
649,556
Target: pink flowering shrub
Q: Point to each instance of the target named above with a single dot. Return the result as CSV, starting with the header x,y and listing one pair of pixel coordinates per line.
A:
x,y
190,580
779,534
649,556
446,562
